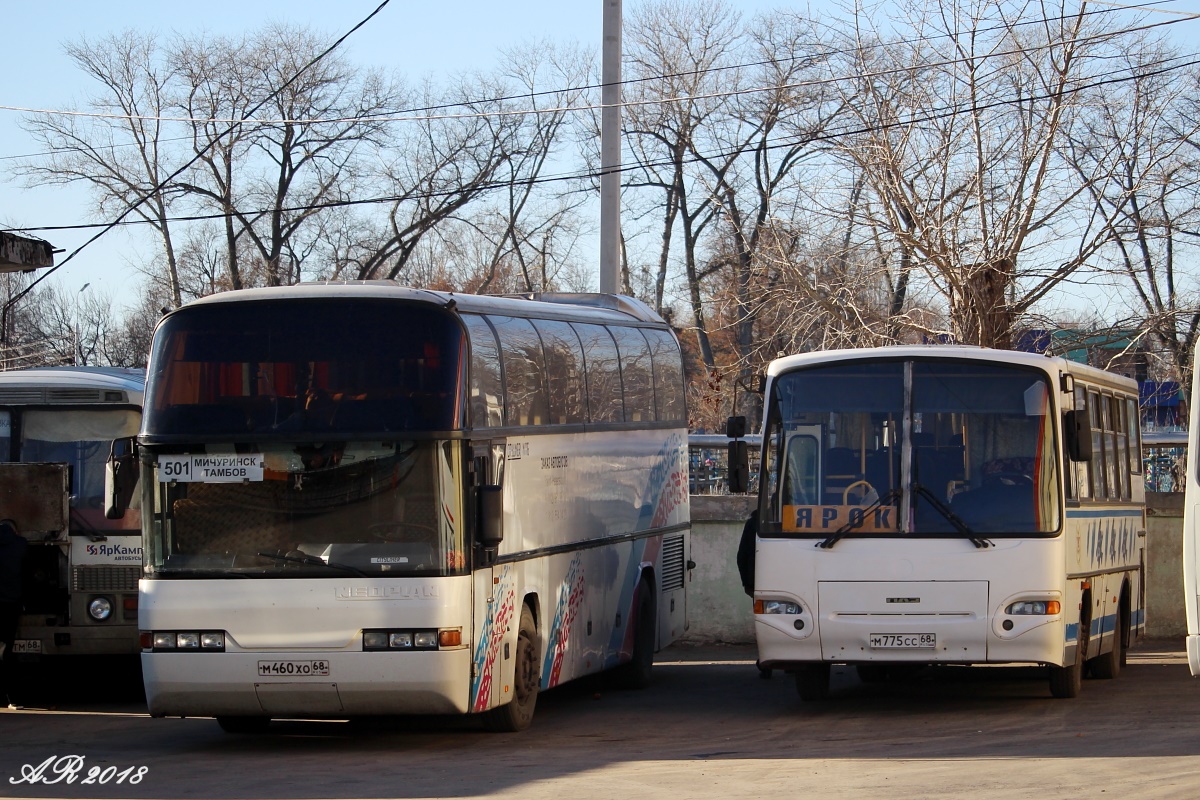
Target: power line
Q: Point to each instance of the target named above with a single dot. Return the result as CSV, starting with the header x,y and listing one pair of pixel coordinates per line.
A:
x,y
159,187
932,116
419,115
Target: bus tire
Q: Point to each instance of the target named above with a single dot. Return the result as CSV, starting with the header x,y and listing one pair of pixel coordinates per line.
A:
x,y
517,714
244,724
812,682
1107,666
636,673
1066,681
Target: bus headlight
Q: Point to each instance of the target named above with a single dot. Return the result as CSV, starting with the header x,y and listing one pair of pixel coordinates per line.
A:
x,y
1034,607
100,608
210,641
776,607
440,639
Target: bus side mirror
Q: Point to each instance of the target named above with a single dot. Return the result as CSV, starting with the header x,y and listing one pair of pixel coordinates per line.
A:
x,y
735,427
739,467
120,477
489,530
1078,435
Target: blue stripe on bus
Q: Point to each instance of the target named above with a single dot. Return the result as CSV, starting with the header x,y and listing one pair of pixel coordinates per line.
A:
x,y
1104,625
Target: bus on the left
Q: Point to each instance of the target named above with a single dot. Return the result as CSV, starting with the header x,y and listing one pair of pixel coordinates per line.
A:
x,y
59,427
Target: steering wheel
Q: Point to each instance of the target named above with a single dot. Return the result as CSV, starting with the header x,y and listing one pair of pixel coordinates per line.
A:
x,y
1009,479
388,531
867,490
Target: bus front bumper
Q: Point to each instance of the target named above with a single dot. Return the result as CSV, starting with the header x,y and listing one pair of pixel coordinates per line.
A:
x,y
308,684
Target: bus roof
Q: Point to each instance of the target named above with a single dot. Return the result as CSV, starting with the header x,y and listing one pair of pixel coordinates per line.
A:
x,y
578,306
959,352
71,385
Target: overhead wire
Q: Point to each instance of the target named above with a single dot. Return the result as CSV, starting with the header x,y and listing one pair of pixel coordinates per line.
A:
x,y
419,114
931,116
166,181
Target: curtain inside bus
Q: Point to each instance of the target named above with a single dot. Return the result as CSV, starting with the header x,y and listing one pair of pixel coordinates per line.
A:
x,y
305,366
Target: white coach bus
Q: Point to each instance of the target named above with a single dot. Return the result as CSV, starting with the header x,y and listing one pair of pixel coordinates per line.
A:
x,y
948,505
367,499
59,426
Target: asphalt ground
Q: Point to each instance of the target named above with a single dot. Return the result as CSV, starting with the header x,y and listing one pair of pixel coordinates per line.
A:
x,y
709,726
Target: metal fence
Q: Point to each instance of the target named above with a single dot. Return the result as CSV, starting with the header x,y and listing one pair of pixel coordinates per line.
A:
x,y
1164,459
708,462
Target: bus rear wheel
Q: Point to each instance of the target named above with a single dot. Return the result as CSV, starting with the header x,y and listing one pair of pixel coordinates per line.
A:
x,y
517,714
635,674
1108,665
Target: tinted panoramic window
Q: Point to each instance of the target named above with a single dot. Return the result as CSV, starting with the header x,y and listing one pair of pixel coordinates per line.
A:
x,y
486,389
304,366
668,375
564,372
603,373
524,387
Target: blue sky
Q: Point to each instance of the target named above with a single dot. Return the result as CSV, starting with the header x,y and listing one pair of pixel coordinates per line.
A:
x,y
417,38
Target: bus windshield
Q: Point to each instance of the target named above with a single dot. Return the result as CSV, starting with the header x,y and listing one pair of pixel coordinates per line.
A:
x,y
926,447
308,510
81,439
342,365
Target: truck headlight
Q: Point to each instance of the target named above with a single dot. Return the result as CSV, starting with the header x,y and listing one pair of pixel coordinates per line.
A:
x,y
100,608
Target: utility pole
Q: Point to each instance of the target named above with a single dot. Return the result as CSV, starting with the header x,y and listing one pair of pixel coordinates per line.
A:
x,y
610,150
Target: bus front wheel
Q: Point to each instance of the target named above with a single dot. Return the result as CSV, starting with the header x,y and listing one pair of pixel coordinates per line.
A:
x,y
517,714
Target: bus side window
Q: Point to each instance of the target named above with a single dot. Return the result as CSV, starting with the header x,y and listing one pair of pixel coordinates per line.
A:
x,y
1085,470
524,365
603,371
1099,457
486,392
564,371
668,375
637,377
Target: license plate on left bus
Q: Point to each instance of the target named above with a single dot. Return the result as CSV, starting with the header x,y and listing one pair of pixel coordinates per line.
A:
x,y
27,646
284,669
903,641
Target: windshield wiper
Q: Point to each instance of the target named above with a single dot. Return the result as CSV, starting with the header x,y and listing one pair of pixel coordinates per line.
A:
x,y
312,561
841,532
952,518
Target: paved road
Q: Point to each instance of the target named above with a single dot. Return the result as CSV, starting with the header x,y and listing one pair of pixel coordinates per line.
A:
x,y
709,727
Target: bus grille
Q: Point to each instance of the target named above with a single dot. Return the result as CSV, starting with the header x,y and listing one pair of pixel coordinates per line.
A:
x,y
36,396
672,563
106,579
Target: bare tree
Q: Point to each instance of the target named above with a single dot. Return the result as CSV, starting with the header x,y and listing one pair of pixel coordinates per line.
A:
x,y
1139,155
272,173
963,109
124,157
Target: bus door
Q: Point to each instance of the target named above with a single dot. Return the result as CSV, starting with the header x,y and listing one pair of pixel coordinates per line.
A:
x,y
492,590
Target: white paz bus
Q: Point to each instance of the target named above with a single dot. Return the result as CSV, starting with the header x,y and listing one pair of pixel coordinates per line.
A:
x,y
366,499
947,505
